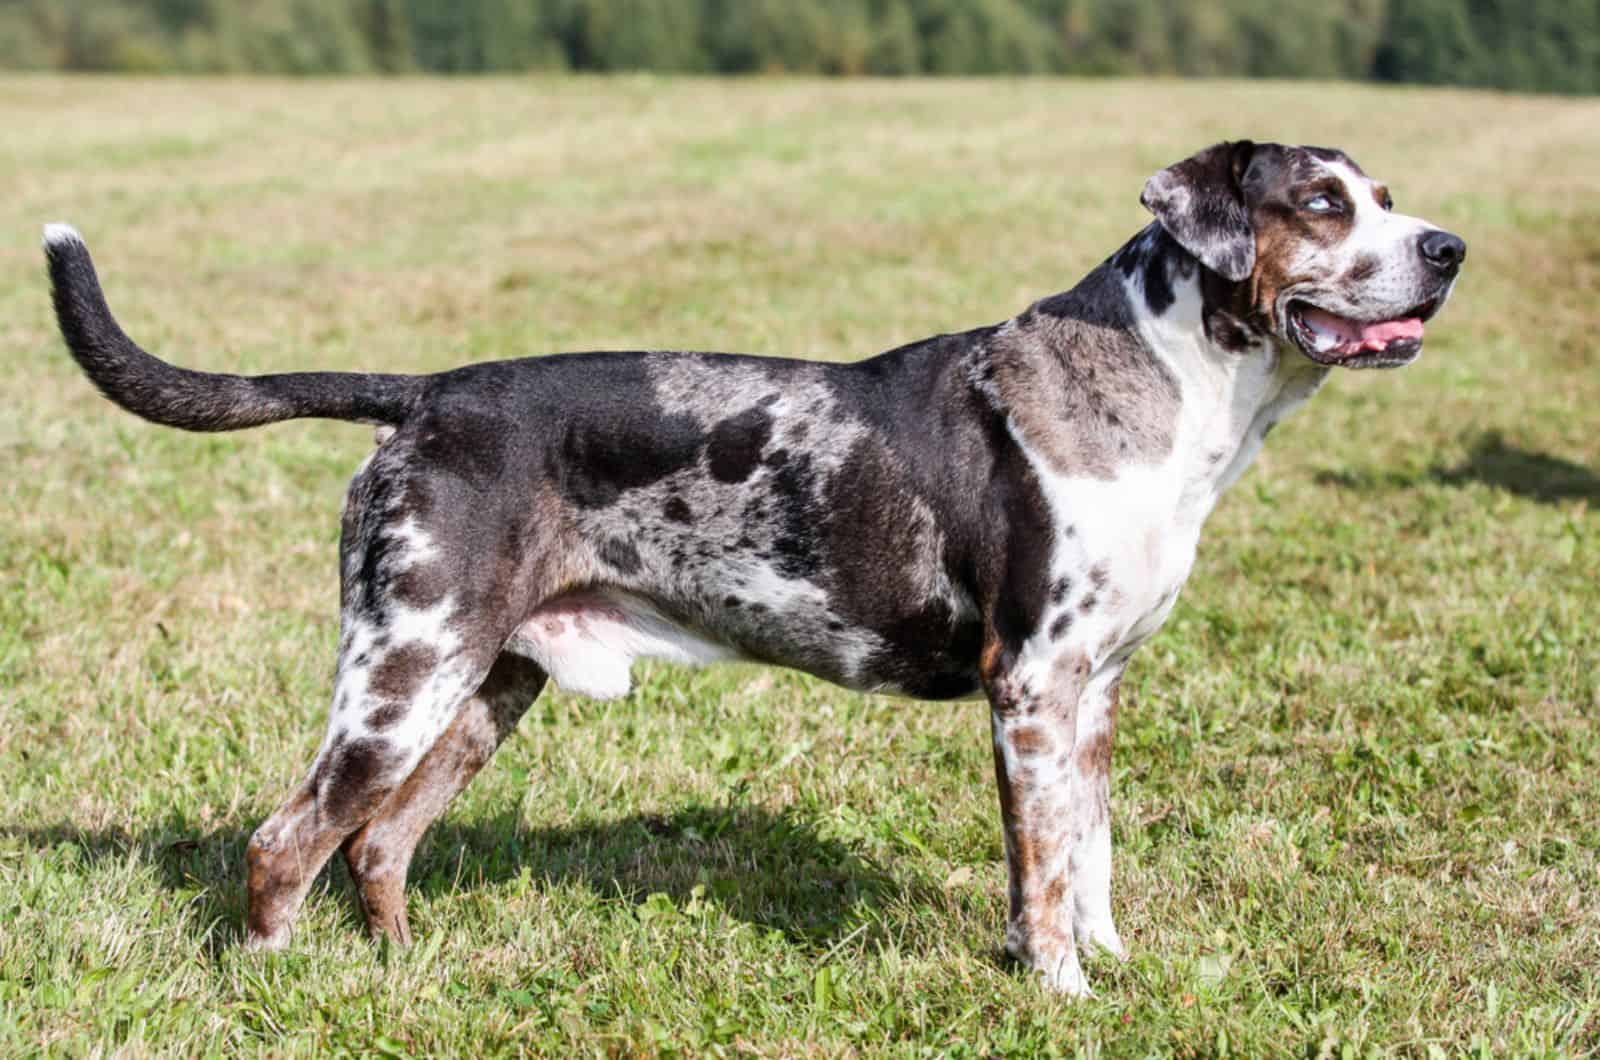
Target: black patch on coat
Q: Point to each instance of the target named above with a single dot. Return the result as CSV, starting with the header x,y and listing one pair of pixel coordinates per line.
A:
x,y
349,781
796,546
1225,309
423,583
385,716
474,442
1157,284
734,449
1024,586
881,541
602,462
677,510
1229,332
620,555
375,563
1059,627
589,423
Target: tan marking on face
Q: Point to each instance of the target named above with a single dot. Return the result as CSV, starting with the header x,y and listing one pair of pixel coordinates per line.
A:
x,y
1297,246
1291,245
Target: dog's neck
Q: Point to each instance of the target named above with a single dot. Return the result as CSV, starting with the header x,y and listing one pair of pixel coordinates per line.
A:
x,y
1239,379
1136,369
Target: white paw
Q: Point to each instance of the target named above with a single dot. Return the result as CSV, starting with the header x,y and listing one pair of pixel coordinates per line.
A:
x,y
273,943
1065,976
1100,933
1061,972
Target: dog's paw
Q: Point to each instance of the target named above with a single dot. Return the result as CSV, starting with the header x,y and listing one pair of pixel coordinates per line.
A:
x,y
1061,972
1065,976
1100,934
274,942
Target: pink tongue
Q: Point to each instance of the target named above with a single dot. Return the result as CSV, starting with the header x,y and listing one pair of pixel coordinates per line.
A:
x,y
1389,330
1368,336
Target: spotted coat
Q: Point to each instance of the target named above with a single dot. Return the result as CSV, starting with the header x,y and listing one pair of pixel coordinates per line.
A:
x,y
1008,511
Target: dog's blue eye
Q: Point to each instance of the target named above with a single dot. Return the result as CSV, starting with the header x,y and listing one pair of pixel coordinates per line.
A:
x,y
1320,204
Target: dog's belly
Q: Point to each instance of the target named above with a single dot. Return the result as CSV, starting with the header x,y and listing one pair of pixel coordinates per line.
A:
x,y
587,641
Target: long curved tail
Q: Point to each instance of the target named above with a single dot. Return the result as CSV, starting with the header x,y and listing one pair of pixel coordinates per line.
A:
x,y
200,401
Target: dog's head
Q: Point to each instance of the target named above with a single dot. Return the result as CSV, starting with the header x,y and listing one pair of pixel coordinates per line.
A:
x,y
1316,253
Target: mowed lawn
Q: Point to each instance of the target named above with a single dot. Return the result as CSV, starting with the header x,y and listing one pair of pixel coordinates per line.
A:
x,y
1357,780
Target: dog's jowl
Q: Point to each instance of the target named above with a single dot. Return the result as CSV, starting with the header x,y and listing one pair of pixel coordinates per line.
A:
x,y
1009,511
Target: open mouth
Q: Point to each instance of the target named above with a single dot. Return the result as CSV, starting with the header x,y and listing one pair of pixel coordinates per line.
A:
x,y
1328,338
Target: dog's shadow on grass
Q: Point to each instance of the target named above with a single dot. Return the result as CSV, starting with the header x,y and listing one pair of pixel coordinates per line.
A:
x,y
1492,461
773,871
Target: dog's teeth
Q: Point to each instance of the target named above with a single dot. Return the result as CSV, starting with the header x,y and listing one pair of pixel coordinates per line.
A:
x,y
1324,340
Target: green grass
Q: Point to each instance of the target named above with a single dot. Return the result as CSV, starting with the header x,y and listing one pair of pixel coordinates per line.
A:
x,y
1357,791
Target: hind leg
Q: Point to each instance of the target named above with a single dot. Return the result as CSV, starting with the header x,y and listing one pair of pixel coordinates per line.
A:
x,y
422,621
373,745
379,854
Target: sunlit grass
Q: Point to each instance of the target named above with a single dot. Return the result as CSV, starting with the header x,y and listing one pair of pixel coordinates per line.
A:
x,y
1357,799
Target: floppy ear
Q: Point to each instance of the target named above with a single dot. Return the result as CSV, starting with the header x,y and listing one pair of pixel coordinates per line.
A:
x,y
1200,201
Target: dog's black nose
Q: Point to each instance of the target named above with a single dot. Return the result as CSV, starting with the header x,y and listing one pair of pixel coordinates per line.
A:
x,y
1443,251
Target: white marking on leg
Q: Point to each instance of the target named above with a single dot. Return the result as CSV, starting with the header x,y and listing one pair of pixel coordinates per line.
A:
x,y
1036,747
1092,922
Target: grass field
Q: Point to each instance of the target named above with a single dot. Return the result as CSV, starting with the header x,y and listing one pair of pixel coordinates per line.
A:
x,y
1357,785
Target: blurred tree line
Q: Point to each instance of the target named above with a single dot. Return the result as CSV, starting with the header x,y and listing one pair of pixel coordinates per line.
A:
x,y
1541,45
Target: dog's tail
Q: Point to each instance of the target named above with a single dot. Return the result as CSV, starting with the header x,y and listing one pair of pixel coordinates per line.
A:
x,y
200,401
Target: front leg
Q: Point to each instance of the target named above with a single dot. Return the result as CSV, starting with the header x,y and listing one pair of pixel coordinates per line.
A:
x,y
1092,924
1034,716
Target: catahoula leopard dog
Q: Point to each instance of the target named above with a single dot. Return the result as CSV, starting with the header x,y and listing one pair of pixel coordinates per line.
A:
x,y
1010,510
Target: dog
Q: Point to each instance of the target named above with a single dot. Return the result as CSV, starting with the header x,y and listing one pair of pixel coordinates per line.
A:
x,y
1008,511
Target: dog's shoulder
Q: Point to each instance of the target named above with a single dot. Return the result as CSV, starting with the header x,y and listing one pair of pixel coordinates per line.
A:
x,y
1078,383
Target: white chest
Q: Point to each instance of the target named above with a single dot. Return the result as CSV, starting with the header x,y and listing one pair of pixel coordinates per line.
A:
x,y
1125,545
